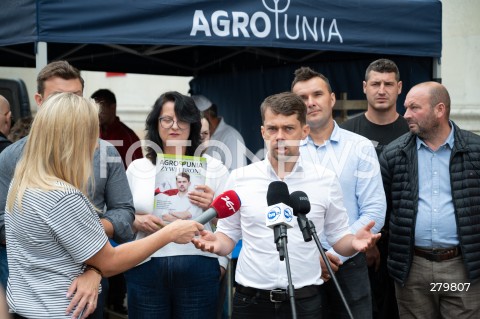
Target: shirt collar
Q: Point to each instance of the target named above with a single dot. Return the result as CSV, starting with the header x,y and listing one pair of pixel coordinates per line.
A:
x,y
334,137
449,141
221,125
297,169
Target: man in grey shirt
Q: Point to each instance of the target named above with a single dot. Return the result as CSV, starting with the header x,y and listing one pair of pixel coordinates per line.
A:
x,y
110,191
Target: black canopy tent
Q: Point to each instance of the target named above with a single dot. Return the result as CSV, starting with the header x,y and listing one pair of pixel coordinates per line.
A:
x,y
238,51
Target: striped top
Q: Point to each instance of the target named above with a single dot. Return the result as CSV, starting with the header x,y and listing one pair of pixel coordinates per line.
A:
x,y
48,242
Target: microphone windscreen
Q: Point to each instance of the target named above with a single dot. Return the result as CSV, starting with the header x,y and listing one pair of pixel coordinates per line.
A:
x,y
278,193
299,203
226,204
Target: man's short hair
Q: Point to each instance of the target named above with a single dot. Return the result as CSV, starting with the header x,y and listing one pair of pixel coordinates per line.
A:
x,y
286,103
61,69
104,95
305,73
383,66
183,174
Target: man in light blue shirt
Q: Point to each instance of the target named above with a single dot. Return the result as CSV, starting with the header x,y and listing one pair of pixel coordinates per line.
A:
x,y
436,225
354,160
432,181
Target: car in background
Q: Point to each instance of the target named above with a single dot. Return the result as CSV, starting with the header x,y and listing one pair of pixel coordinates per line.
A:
x,y
15,91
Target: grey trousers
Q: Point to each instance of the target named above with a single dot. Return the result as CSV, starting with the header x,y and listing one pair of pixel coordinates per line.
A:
x,y
438,290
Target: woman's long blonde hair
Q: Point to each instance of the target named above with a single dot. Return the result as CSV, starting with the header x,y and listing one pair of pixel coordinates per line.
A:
x,y
60,147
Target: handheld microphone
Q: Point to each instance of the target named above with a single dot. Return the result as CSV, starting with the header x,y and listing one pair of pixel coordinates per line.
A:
x,y
224,205
301,207
279,210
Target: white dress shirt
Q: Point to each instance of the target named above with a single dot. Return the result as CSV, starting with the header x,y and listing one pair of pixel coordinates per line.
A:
x,y
228,144
259,265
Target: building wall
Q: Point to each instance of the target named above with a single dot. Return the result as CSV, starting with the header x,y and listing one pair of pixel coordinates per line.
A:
x,y
460,65
135,93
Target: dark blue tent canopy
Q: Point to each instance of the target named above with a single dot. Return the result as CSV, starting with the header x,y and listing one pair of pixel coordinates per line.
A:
x,y
369,26
239,51
163,31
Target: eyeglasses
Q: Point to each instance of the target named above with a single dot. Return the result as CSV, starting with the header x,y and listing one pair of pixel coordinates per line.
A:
x,y
167,122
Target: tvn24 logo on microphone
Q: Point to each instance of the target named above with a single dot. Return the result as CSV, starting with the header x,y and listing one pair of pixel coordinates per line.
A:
x,y
279,214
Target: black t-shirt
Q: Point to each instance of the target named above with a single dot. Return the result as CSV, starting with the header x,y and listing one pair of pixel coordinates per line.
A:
x,y
380,135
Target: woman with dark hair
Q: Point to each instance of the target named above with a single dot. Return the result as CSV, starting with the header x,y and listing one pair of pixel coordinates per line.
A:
x,y
176,281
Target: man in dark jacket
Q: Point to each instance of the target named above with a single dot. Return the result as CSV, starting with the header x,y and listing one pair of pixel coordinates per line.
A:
x,y
5,122
431,177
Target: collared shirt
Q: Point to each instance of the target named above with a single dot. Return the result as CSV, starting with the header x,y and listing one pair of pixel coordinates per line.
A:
x,y
259,265
228,143
354,160
436,225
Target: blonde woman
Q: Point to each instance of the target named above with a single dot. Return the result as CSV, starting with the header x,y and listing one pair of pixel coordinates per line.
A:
x,y
53,232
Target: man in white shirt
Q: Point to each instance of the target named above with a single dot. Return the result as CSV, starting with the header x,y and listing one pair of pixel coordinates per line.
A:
x,y
261,277
180,201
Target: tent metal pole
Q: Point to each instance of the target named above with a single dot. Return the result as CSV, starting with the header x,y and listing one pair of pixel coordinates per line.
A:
x,y
437,70
229,296
41,55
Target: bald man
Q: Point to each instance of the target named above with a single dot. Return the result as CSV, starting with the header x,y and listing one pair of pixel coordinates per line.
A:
x,y
431,177
5,122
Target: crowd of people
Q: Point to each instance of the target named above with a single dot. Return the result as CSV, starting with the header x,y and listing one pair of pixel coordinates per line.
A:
x,y
395,201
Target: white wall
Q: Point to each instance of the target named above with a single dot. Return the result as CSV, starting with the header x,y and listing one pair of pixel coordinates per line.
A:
x,y
460,60
135,93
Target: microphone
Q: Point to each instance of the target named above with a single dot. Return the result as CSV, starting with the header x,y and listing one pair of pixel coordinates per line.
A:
x,y
279,217
301,207
279,210
224,205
